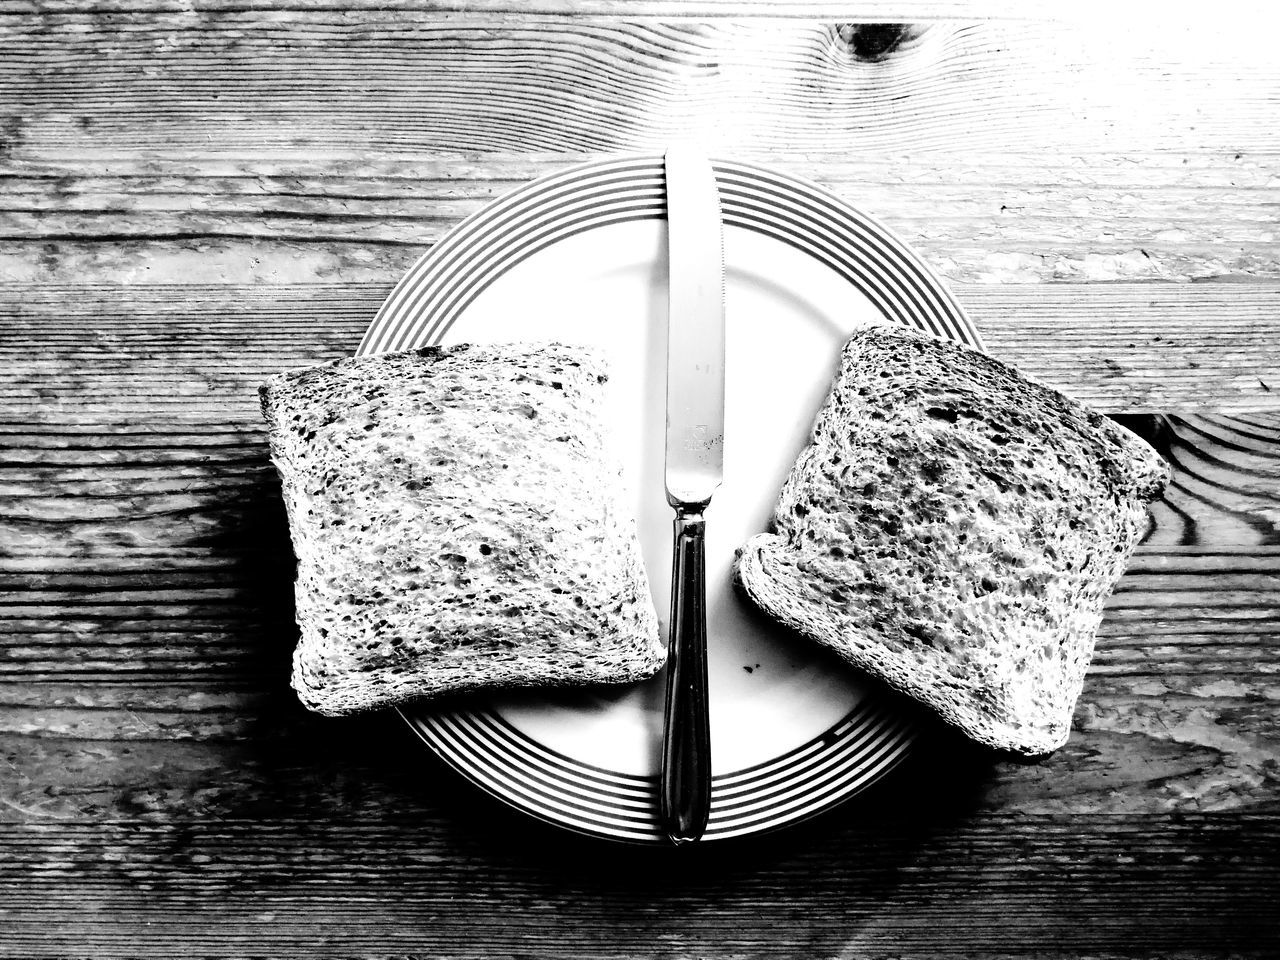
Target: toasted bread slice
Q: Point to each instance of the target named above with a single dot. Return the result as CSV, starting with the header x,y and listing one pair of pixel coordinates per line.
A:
x,y
459,524
954,529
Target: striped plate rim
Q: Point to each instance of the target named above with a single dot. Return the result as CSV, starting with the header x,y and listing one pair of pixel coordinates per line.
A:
x,y
479,742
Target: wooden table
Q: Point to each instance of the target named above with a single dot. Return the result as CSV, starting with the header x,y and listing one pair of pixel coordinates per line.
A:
x,y
196,194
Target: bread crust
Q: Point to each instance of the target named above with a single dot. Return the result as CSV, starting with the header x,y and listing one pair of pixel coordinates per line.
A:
x,y
954,528
459,524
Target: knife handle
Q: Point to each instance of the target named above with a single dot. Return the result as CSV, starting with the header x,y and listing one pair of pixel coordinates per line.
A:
x,y
685,787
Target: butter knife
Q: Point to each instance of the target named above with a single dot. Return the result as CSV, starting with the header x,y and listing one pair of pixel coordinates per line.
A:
x,y
694,469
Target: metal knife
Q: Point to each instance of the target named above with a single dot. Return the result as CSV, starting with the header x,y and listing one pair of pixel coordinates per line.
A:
x,y
694,469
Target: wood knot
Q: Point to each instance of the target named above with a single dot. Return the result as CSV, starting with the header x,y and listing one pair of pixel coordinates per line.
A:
x,y
873,42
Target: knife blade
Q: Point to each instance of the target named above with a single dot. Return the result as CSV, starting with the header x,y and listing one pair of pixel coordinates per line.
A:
x,y
694,470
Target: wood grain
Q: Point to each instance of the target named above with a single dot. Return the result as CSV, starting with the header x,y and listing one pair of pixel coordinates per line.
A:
x,y
300,82
154,355
416,885
145,570
233,146
294,835
194,195
1007,217
875,12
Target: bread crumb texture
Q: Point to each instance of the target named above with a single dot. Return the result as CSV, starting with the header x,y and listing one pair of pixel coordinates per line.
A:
x,y
954,529
458,522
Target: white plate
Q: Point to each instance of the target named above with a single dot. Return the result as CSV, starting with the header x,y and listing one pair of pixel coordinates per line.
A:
x,y
579,257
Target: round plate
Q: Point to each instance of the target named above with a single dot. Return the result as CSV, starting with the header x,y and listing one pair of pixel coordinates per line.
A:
x,y
579,257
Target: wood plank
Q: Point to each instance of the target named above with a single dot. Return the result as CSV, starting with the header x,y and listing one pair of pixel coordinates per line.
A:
x,y
305,82
1167,732
995,214
421,883
1007,217
874,12
230,618
139,358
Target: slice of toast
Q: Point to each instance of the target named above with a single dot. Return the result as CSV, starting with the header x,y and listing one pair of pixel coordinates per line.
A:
x,y
954,529
458,522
